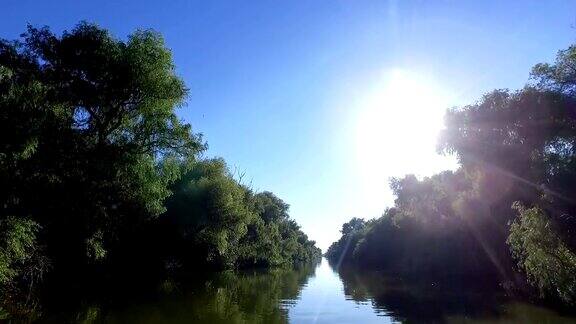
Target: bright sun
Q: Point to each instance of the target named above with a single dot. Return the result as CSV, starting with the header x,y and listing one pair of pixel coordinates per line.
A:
x,y
398,126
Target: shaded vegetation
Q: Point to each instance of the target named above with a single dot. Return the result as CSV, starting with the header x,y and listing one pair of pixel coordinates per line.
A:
x,y
507,213
101,180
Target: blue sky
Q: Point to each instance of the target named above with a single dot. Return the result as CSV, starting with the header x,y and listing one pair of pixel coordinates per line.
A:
x,y
277,86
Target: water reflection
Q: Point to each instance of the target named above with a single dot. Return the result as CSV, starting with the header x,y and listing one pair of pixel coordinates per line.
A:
x,y
229,297
450,301
324,301
307,295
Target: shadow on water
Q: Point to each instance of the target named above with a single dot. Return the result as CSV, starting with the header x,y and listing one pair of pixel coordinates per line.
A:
x,y
312,294
227,297
453,300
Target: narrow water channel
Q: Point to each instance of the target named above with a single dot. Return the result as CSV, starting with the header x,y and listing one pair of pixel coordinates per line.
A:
x,y
315,294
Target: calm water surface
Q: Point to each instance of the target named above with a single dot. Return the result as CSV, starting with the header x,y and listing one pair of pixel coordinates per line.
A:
x,y
309,295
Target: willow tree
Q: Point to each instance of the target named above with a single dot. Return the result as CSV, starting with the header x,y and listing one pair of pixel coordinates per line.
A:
x,y
89,131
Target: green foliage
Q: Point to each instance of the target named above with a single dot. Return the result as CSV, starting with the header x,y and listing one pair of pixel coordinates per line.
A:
x,y
98,170
545,258
94,248
210,212
88,117
352,232
271,208
17,245
214,216
560,76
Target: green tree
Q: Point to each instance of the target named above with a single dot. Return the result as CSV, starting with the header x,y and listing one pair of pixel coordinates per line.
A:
x,y
86,120
545,258
17,246
214,219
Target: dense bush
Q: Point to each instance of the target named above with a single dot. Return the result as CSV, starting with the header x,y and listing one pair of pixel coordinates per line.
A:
x,y
90,151
548,262
212,218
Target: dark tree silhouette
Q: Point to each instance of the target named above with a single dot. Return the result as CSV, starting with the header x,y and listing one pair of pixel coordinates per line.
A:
x,y
515,149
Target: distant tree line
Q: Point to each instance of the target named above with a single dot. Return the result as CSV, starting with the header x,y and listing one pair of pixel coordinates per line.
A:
x,y
508,212
99,177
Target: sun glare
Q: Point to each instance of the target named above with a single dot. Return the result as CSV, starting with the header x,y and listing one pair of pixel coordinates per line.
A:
x,y
398,126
